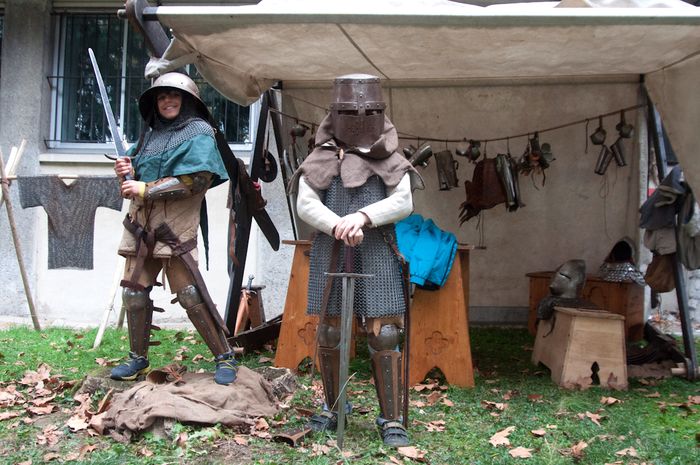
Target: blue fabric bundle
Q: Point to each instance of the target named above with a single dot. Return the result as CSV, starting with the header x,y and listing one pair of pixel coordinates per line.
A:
x,y
429,250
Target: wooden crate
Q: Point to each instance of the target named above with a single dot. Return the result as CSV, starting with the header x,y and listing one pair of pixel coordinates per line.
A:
x,y
626,299
573,341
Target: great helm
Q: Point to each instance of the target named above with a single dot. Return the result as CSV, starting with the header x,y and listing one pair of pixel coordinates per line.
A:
x,y
173,81
357,110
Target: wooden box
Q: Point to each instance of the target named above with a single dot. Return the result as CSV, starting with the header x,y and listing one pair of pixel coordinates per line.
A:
x,y
626,299
581,345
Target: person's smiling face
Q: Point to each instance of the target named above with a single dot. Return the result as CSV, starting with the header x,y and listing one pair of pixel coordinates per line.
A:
x,y
169,103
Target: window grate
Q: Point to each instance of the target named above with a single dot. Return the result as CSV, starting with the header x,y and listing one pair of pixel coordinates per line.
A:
x,y
77,114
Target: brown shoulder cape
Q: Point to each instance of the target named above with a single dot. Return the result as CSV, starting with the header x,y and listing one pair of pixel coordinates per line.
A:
x,y
323,163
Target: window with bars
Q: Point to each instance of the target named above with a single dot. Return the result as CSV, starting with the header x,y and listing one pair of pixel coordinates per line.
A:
x,y
77,114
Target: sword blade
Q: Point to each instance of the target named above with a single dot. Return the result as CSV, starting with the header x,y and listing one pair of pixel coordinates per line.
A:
x,y
346,318
114,129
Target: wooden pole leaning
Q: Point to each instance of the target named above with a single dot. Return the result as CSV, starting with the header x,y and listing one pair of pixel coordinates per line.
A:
x,y
15,239
15,155
118,271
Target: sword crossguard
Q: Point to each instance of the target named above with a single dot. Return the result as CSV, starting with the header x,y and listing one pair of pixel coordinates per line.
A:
x,y
349,275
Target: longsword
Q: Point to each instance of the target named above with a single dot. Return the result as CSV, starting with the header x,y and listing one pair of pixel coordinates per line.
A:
x,y
114,129
346,319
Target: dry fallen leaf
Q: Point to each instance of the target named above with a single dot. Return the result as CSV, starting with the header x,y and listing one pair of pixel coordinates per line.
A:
x,y
447,402
86,449
49,436
534,397
146,452
411,452
8,415
41,410
51,456
488,405
320,449
393,459
264,360
520,453
653,395
181,440
433,397
594,417
628,452
609,400
261,424
538,432
577,449
501,437
77,423
240,440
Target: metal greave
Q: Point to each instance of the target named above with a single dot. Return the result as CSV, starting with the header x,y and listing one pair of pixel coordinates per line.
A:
x,y
329,362
386,368
213,336
139,321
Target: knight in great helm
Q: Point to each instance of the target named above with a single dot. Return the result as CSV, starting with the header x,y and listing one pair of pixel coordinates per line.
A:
x,y
173,164
352,188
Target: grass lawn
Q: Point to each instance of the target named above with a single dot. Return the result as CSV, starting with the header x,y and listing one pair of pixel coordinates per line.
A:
x,y
654,422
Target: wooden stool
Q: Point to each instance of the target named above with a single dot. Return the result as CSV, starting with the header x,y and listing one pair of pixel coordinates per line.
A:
x,y
439,334
573,342
440,328
298,331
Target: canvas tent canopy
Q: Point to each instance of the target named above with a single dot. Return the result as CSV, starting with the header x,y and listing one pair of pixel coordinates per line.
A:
x,y
244,50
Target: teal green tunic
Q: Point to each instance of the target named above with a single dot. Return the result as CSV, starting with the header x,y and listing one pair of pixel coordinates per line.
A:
x,y
192,156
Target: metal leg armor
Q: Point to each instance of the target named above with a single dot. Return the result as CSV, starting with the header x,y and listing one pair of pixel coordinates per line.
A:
x,y
139,315
386,368
329,363
202,320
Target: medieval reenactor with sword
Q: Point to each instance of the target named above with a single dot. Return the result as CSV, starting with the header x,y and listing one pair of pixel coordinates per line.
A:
x,y
166,175
353,187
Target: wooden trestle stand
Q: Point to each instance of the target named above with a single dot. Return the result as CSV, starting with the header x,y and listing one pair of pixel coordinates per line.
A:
x,y
439,323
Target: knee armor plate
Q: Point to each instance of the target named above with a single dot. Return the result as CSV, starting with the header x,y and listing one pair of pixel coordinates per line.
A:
x,y
189,296
388,339
328,336
135,299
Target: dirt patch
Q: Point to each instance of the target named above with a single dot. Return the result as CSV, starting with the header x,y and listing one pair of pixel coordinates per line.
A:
x,y
226,452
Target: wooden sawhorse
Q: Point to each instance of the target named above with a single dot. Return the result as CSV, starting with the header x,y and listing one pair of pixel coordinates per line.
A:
x,y
439,333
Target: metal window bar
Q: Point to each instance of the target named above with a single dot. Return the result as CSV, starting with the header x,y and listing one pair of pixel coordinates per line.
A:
x,y
77,114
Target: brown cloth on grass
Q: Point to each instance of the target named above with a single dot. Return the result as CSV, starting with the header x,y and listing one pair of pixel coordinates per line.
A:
x,y
197,399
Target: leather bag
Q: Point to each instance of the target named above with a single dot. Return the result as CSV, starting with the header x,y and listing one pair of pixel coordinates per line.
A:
x,y
659,275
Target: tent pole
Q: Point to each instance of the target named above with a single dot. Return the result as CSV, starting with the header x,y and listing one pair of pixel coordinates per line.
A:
x,y
657,134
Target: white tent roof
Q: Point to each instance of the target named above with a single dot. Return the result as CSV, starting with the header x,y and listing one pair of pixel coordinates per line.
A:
x,y
243,50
